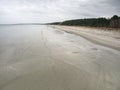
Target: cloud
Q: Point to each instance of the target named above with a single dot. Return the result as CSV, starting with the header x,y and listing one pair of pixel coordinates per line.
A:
x,y
25,11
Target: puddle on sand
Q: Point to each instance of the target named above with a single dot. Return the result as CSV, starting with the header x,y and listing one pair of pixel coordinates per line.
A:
x,y
94,49
58,32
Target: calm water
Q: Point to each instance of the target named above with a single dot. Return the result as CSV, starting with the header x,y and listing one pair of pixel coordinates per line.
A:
x,y
37,57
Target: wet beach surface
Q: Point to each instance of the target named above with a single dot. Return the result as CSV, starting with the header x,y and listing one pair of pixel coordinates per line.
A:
x,y
39,57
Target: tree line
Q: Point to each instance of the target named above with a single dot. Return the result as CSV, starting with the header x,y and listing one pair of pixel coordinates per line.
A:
x,y
113,22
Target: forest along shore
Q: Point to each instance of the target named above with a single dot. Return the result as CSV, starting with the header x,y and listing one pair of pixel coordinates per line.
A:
x,y
101,36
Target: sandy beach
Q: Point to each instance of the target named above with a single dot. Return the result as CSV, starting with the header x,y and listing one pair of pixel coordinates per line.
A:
x,y
100,36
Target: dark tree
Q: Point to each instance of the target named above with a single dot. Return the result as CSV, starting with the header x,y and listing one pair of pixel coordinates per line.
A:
x,y
115,17
115,22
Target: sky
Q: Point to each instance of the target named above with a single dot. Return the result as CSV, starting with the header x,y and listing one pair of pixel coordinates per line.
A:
x,y
45,11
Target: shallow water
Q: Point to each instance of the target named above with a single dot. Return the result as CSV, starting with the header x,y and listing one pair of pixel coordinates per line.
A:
x,y
38,57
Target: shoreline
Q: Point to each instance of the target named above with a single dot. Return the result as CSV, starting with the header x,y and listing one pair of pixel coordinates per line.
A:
x,y
101,37
100,28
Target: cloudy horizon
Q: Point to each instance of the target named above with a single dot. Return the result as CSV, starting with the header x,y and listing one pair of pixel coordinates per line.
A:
x,y
45,11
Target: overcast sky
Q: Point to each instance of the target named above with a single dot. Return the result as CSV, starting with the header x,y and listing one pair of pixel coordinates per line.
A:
x,y
38,11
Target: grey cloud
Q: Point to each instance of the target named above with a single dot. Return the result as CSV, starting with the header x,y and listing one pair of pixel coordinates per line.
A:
x,y
17,11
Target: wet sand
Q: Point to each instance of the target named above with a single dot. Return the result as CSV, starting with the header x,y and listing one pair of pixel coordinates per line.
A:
x,y
100,36
34,57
